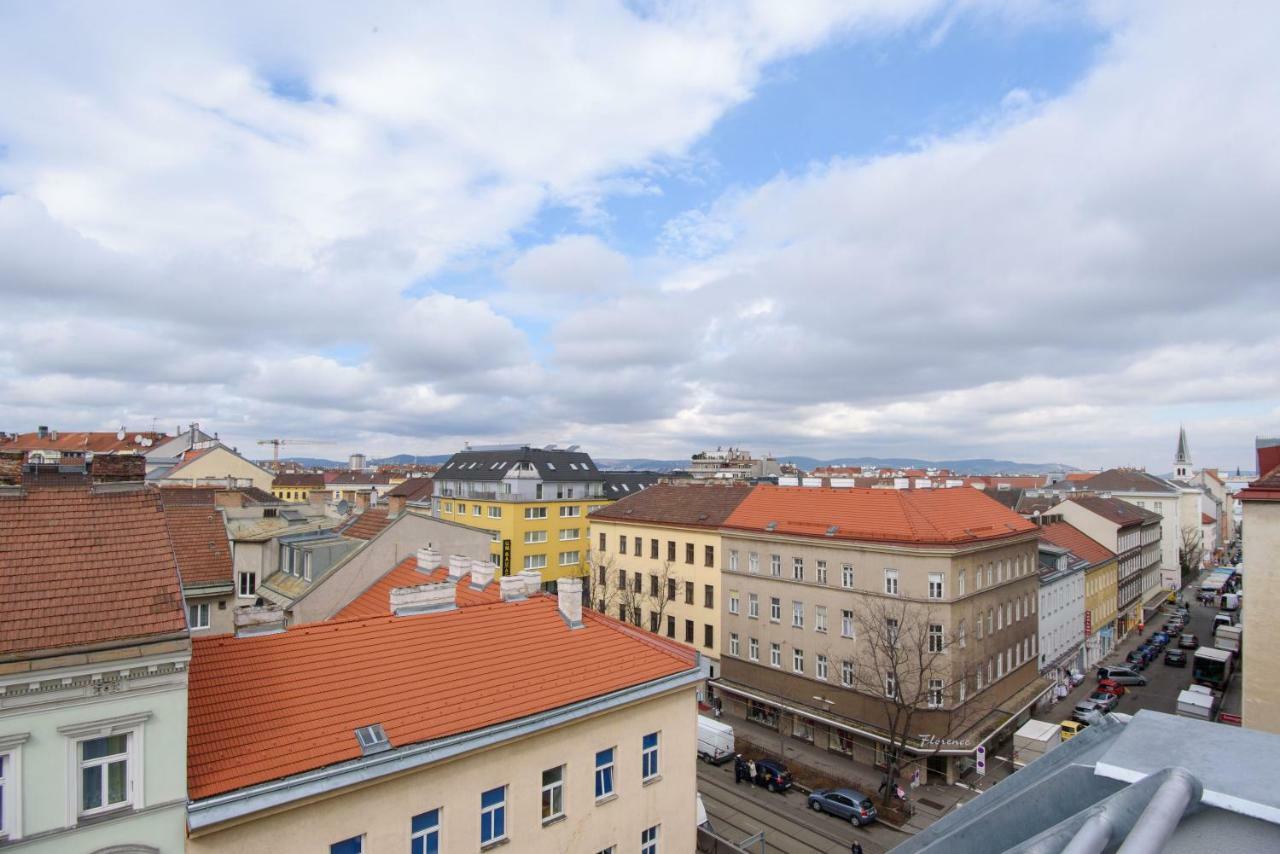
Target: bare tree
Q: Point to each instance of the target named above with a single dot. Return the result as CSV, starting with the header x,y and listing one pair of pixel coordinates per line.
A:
x,y
903,661
629,594
1190,551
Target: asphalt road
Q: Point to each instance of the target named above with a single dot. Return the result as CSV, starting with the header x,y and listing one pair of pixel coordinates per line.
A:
x,y
738,811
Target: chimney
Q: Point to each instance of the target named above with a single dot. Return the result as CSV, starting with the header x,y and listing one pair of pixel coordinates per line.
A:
x,y
482,572
11,467
569,593
423,599
458,566
362,501
253,620
428,560
317,497
115,468
512,587
395,505
532,581
228,498
43,431
1268,455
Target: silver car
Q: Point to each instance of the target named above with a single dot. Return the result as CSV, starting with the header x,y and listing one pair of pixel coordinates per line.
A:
x,y
846,803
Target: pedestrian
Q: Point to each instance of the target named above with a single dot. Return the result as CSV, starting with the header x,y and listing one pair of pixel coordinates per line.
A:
x,y
739,768
855,848
751,770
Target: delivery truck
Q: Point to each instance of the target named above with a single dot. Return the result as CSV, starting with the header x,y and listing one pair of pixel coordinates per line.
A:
x,y
1199,702
1228,638
715,740
1033,740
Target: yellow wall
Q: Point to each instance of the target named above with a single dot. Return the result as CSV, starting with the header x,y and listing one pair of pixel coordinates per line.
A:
x,y
511,524
296,494
1261,699
383,811
220,463
682,571
1100,594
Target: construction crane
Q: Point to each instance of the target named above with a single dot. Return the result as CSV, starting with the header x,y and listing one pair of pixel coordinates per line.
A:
x,y
276,443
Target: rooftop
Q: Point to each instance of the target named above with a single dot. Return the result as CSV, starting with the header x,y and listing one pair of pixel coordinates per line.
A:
x,y
368,524
1114,510
422,677
413,488
301,480
376,601
85,566
200,542
919,517
706,506
548,464
1077,542
1127,480
89,442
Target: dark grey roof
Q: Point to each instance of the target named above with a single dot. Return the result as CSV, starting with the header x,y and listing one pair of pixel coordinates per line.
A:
x,y
1127,480
551,465
620,484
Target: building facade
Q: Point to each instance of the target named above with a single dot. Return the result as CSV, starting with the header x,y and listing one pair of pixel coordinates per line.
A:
x,y
1061,613
731,464
297,486
1260,502
1098,565
808,577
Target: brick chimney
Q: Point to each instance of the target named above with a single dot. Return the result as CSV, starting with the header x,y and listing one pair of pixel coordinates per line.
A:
x,y
11,467
482,572
458,566
532,581
115,468
228,498
423,599
569,594
318,497
512,587
395,505
428,560
361,501
255,620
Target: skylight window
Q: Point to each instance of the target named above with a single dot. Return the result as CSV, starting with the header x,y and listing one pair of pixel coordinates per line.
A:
x,y
551,466
372,739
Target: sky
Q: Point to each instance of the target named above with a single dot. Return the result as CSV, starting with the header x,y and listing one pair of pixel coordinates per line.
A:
x,y
1039,231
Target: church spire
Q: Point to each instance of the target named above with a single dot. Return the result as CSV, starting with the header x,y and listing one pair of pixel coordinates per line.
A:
x,y
1182,459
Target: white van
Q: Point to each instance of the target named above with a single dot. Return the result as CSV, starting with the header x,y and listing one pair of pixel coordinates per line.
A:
x,y
715,740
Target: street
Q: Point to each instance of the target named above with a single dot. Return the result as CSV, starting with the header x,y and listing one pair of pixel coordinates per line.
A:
x,y
738,811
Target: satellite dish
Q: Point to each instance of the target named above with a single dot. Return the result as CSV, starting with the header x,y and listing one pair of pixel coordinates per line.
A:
x,y
138,438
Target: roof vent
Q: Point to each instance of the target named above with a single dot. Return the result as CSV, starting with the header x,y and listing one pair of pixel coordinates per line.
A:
x,y
831,531
372,739
772,526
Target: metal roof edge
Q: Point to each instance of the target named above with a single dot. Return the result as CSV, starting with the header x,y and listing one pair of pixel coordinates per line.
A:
x,y
274,794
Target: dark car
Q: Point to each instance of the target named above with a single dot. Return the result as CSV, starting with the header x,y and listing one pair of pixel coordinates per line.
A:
x,y
1175,658
1136,660
1188,641
1161,638
773,775
845,803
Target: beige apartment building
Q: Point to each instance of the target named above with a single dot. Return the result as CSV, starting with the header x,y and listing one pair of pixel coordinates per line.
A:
x,y
656,558
807,570
1261,530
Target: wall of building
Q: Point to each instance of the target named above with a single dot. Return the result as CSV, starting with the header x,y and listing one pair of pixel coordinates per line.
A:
x,y
1061,621
1262,632
222,604
382,811
219,463
1100,603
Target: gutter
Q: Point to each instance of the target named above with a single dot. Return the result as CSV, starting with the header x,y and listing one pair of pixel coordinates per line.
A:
x,y
275,794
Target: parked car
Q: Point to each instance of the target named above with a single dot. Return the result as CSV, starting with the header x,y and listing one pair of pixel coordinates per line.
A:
x,y
1122,675
1110,686
1188,641
845,803
1161,638
773,775
1175,658
1105,700
1148,652
1136,660
1070,729
1086,711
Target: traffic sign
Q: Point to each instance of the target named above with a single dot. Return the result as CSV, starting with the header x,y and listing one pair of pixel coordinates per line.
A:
x,y
981,754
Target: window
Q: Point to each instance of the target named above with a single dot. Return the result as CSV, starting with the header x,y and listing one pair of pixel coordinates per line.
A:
x,y
846,673
354,845
935,585
671,550
708,635
733,643
462,508
637,582
775,565
960,636
999,617
306,566
797,660
552,793
753,563
820,667
653,621
846,576
775,609
991,574
936,643
708,595
891,582
753,649
535,561
797,568
708,555
733,601
891,629
9,805
671,590
198,615
535,537
653,585
935,693
990,623
425,830
247,584
891,686
639,544
671,627
570,558
820,618
570,534
604,541
106,778
960,583
653,549
797,615
493,815
622,579
604,773
688,553
448,507
495,512
822,572
753,605
622,543
572,511
775,655
733,560
535,512
649,757
688,593
688,631
846,624
649,840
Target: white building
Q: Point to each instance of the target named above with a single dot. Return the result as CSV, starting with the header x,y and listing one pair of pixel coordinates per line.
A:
x,y
1061,613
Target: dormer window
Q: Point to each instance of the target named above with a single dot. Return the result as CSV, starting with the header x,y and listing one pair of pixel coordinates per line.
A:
x,y
372,739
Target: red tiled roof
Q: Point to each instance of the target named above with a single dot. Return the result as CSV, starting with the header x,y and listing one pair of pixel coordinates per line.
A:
x,y
79,567
1077,542
1114,510
422,677
199,538
299,479
368,524
376,601
696,505
1206,519
1265,488
1079,475
98,443
413,488
918,516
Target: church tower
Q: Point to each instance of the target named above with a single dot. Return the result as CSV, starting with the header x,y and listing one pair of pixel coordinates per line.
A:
x,y
1182,459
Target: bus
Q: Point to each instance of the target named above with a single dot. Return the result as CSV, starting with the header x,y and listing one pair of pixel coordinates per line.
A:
x,y
1212,667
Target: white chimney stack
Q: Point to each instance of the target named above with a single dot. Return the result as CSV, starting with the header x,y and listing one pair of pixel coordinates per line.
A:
x,y
532,581
479,566
569,592
458,566
428,560
423,599
512,587
482,573
253,620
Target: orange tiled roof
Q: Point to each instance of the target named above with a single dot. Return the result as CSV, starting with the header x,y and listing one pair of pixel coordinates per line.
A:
x,y
376,601
199,540
917,516
1077,542
79,567
421,677
368,524
1077,476
98,443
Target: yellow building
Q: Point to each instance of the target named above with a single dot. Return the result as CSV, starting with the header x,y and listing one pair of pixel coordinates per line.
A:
x,y
297,487
214,464
533,503
656,562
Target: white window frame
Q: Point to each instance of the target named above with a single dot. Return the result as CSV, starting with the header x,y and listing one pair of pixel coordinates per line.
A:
x,y
733,560
557,795
797,661
797,615
426,832
612,776
891,582
753,563
775,566
495,512
240,585
535,512
568,535
753,606
846,673
649,838
820,572
820,667
797,569
934,695
846,576
734,644
753,649
534,537
890,686
654,752
570,511
775,609
820,618
937,585
572,558
131,726
733,601
531,562
939,636
493,809
11,785
775,655
197,608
